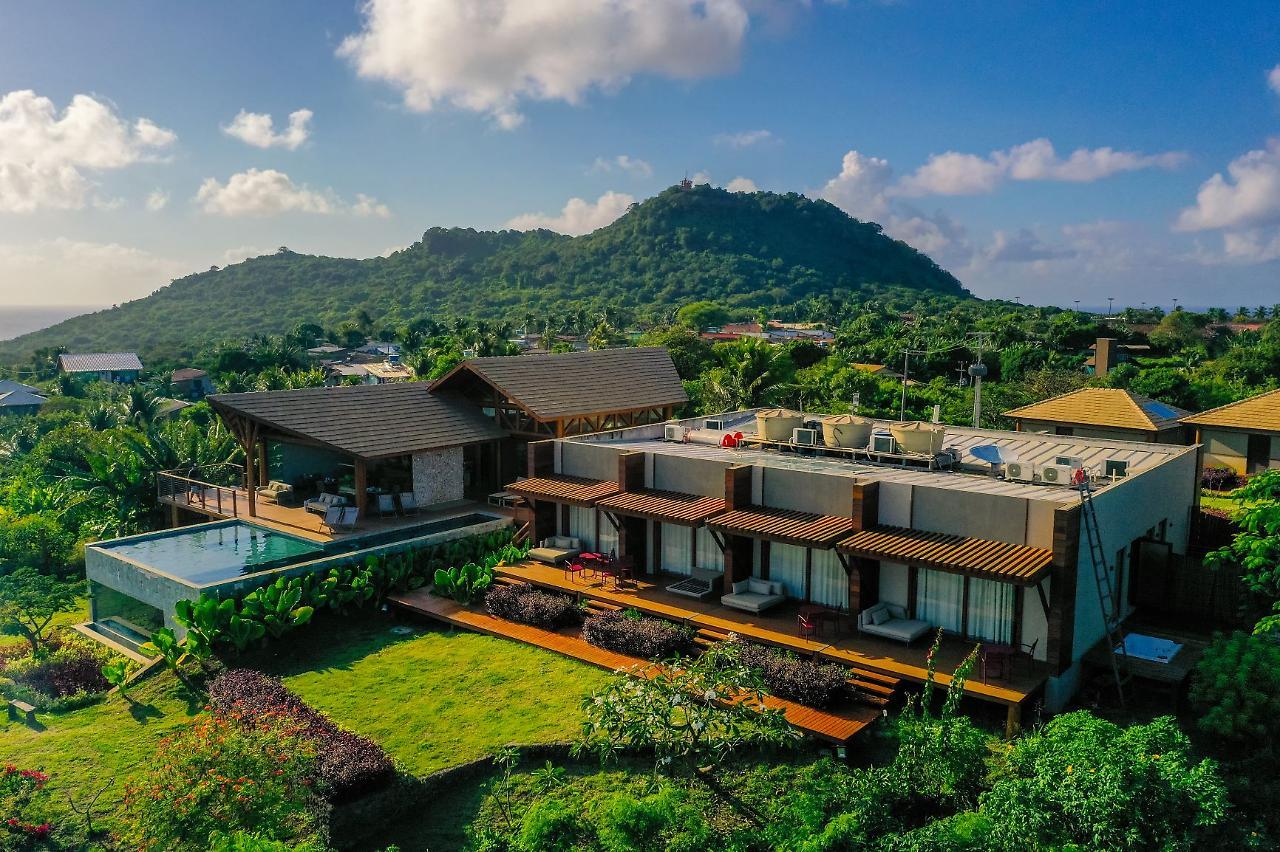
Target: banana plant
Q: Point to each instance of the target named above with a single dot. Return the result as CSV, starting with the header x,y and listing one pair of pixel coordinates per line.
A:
x,y
243,632
464,584
276,607
166,645
205,618
116,674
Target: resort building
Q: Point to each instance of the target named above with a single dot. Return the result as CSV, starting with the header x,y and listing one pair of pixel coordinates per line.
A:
x,y
104,366
1103,413
17,398
1243,436
900,543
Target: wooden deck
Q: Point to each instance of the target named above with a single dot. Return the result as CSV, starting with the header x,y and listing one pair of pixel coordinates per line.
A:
x,y
835,726
778,628
299,522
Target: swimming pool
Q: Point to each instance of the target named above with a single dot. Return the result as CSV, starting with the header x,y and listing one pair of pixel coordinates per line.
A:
x,y
212,552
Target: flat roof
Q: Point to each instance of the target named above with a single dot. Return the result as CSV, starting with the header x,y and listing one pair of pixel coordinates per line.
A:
x,y
970,475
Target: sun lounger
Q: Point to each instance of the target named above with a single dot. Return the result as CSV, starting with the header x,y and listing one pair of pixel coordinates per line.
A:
x,y
386,506
408,503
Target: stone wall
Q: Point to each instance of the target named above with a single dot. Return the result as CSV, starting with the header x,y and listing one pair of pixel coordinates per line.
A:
x,y
437,476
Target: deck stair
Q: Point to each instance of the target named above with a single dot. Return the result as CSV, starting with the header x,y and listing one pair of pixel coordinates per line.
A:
x,y
706,637
873,688
595,607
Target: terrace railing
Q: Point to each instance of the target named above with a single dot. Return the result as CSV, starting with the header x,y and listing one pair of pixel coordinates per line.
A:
x,y
204,488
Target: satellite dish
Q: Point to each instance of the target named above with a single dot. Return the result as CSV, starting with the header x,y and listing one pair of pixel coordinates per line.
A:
x,y
991,454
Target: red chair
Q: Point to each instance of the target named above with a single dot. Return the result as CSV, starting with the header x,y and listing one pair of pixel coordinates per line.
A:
x,y
572,568
806,625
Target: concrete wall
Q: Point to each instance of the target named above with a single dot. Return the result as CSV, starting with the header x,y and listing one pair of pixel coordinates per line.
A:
x,y
689,476
1088,431
593,461
893,583
991,516
438,476
802,491
1223,448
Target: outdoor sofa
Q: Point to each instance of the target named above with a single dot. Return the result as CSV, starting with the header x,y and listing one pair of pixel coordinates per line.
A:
x,y
556,549
754,595
891,622
275,490
322,504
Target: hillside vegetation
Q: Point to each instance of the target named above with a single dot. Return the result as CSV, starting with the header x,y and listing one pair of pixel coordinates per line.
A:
x,y
741,250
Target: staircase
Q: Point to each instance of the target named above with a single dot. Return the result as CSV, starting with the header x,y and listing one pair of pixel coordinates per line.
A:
x,y
1106,593
595,607
873,688
706,637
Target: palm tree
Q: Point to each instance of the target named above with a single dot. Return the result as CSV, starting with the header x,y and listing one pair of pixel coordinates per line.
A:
x,y
142,407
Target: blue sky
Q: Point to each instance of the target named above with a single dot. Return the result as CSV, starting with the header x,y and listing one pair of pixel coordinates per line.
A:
x,y
1050,151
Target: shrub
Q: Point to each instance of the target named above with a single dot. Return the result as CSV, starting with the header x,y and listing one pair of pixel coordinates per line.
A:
x,y
788,676
637,635
549,826
349,765
527,605
227,772
71,670
1236,690
22,802
1219,478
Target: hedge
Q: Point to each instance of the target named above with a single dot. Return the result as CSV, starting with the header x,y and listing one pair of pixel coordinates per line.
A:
x,y
637,635
788,676
527,605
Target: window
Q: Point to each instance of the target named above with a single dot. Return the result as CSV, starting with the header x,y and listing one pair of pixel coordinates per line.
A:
x,y
829,584
677,549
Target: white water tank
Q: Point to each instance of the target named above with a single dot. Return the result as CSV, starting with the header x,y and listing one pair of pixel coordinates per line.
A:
x,y
777,424
848,431
919,438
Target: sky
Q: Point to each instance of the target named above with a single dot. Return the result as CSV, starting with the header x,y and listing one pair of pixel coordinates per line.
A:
x,y
1054,152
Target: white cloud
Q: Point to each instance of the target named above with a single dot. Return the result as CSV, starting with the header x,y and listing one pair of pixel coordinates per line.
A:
x,y
1250,197
489,56
71,272
742,184
44,155
859,189
367,205
1022,246
578,216
699,178
955,173
623,163
232,256
257,129
262,192
1273,79
745,138
1253,246
157,200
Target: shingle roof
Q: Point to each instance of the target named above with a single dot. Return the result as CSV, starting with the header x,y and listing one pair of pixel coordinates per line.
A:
x,y
187,374
16,394
93,362
1114,407
370,421
574,383
1257,414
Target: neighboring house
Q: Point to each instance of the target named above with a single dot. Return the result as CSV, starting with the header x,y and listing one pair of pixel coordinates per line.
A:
x,y
104,366
374,351
776,332
1103,413
17,398
989,560
880,371
1107,353
191,382
327,352
373,373
1244,435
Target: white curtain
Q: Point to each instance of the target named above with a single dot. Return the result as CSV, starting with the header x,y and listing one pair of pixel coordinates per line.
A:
x,y
786,566
829,584
676,548
582,526
991,610
940,599
709,554
608,535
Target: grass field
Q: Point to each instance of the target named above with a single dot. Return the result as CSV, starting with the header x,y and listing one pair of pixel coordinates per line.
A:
x,y
431,699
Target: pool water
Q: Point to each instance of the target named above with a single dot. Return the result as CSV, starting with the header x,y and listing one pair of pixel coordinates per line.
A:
x,y
209,554
344,545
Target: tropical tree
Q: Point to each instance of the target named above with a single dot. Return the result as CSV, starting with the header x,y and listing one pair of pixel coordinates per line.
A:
x,y
30,601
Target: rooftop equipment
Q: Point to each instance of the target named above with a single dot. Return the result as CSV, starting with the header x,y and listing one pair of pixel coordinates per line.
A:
x,y
1057,474
846,431
993,455
713,437
1115,468
806,437
882,441
1020,471
777,424
919,438
714,423
1069,461
673,432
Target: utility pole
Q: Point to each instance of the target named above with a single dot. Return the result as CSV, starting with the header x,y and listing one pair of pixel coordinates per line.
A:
x,y
977,370
906,354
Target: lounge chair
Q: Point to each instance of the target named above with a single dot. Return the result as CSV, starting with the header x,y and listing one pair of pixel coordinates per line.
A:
x,y
891,622
701,584
386,506
556,549
332,517
350,514
321,505
408,503
754,595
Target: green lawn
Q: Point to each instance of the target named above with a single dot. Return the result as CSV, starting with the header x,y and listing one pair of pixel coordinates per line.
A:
x,y
431,699
1210,500
79,615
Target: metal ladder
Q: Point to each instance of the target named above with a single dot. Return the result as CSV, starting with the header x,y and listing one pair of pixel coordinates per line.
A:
x,y
1116,650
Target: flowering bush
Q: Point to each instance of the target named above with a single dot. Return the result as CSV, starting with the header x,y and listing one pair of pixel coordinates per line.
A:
x,y
227,772
787,676
22,795
636,635
528,605
348,764
1219,478
70,666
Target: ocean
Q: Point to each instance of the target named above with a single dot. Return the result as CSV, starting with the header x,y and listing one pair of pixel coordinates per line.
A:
x,y
20,320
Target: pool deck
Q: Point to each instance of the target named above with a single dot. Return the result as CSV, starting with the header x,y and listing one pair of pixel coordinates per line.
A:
x,y
299,522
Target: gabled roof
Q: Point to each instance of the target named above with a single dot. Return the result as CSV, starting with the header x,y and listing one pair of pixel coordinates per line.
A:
x,y
1259,413
370,421
16,394
574,383
9,386
188,374
1109,407
93,362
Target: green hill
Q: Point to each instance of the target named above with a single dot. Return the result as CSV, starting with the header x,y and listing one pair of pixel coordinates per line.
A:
x,y
758,249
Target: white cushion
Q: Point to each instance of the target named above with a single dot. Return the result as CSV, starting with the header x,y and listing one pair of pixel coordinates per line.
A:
x,y
759,587
775,588
879,616
741,587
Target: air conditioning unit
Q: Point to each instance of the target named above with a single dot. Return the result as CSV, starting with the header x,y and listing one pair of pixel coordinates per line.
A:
x,y
806,437
673,432
1115,468
715,423
1021,471
1057,474
1069,461
883,442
